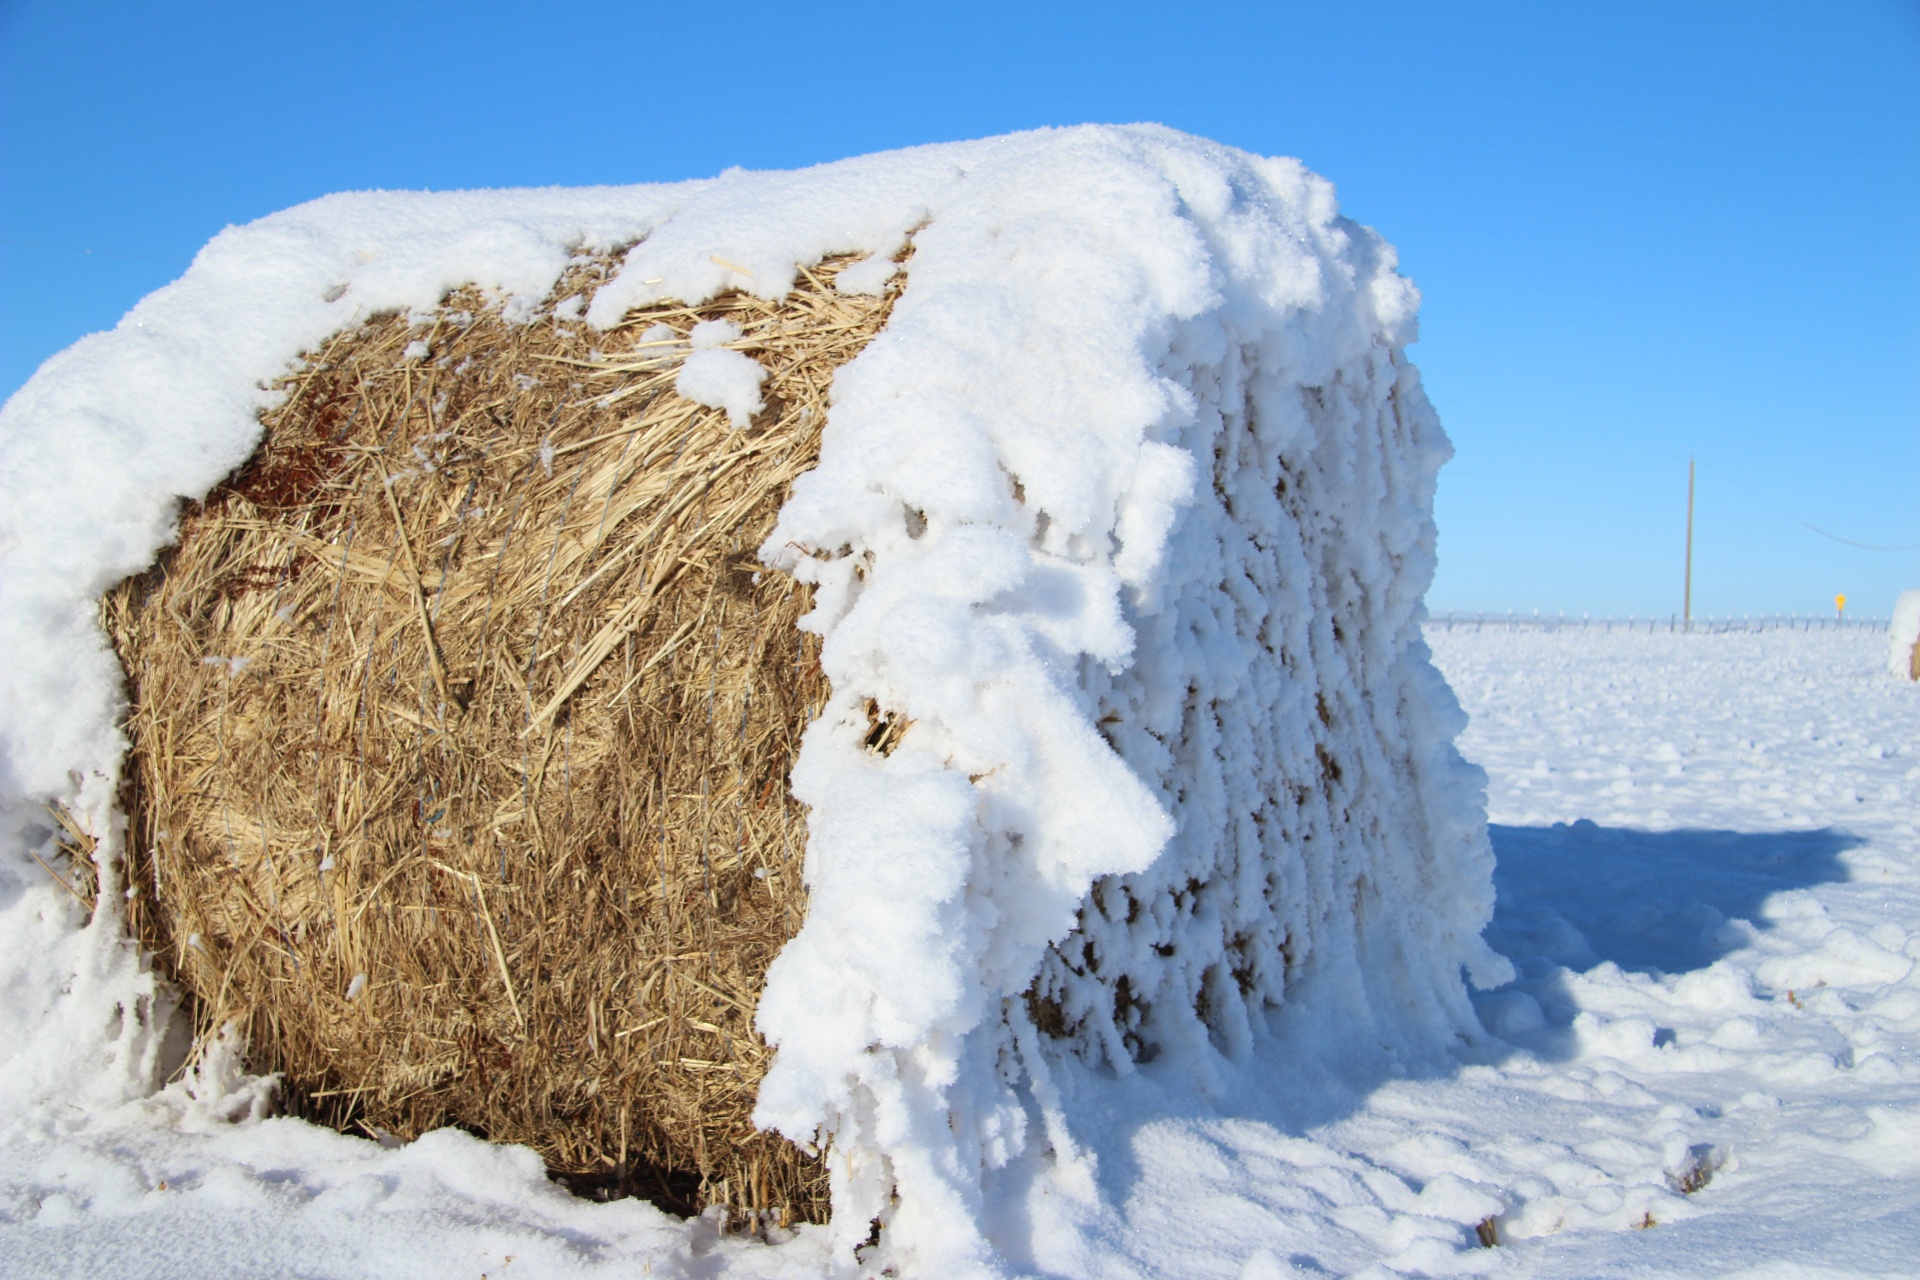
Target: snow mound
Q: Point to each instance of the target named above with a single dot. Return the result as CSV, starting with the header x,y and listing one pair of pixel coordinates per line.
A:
x,y
1122,525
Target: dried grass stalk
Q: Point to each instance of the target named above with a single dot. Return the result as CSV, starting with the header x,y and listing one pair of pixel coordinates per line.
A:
x,y
461,719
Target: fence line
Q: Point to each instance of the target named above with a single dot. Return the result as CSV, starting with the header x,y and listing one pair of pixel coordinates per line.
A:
x,y
1450,620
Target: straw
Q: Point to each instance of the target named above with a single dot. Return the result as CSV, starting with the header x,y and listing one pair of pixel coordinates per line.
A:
x,y
462,716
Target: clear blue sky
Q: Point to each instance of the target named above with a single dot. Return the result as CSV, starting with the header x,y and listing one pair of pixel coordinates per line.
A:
x,y
1643,230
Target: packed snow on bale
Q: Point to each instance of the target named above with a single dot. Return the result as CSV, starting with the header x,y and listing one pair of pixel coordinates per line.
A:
x,y
1112,546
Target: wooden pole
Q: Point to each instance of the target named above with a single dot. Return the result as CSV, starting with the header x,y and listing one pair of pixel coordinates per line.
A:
x,y
1686,603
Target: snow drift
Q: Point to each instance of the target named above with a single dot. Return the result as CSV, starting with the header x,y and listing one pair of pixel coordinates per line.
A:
x,y
1125,518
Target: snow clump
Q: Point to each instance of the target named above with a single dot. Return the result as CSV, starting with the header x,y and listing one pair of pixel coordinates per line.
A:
x,y
719,378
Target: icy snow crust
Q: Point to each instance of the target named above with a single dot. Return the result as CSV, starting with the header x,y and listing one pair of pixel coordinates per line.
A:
x,y
1127,512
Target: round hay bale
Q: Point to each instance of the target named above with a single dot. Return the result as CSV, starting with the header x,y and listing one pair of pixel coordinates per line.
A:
x,y
461,719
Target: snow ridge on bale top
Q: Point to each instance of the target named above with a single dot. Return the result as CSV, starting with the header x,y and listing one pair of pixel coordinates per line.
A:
x,y
1125,517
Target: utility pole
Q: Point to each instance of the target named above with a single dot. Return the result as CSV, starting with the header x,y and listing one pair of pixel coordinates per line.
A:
x,y
1686,603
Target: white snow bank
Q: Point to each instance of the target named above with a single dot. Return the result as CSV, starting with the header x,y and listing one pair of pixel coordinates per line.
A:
x,y
1127,512
1903,636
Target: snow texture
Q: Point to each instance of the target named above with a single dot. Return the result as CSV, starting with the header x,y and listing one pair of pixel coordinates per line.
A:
x,y
1126,515
1903,635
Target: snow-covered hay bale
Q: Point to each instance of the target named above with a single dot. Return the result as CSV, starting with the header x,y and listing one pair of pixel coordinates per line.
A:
x,y
1903,637
1127,747
461,720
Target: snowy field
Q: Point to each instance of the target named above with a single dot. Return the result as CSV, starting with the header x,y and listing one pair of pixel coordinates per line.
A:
x,y
1708,881
1707,875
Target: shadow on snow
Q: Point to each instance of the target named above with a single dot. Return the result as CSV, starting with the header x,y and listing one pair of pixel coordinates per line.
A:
x,y
1570,898
1660,903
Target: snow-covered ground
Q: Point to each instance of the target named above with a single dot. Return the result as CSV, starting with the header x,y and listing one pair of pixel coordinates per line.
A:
x,y
1708,874
1709,877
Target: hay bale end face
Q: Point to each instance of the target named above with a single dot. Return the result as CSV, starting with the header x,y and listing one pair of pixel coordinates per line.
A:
x,y
461,723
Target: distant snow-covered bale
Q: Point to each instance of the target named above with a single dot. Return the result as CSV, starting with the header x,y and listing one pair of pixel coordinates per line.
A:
x,y
1117,540
1903,637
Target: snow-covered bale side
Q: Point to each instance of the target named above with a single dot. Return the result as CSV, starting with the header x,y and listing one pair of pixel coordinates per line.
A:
x,y
1327,837
1903,637
1122,524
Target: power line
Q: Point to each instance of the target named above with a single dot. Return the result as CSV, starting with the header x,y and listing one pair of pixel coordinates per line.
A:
x,y
1808,524
1864,546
